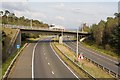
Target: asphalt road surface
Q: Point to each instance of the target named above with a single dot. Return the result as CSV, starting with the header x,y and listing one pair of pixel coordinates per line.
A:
x,y
97,57
46,63
22,67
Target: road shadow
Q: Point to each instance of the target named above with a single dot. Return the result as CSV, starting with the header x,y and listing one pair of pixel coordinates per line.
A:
x,y
69,40
40,41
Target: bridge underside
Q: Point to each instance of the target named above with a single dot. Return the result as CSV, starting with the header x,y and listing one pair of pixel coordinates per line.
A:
x,y
58,33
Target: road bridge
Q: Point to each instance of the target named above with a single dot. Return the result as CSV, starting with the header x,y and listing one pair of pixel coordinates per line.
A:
x,y
43,31
55,32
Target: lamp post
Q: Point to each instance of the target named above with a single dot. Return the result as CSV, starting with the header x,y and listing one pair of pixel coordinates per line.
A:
x,y
31,23
77,44
62,36
62,33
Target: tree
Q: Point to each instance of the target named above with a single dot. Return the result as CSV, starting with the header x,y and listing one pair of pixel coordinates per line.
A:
x,y
7,12
1,13
101,27
116,38
3,37
85,28
117,14
10,18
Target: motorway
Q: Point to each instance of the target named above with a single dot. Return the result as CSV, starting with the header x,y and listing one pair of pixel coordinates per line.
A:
x,y
45,64
101,59
22,67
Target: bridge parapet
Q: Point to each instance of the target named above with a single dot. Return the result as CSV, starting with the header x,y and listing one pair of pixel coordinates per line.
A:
x,y
28,28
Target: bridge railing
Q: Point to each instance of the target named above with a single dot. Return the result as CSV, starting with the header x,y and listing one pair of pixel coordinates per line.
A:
x,y
36,28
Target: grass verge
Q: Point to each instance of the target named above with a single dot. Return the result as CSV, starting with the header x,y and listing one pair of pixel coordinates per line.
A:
x,y
102,51
8,61
89,67
69,63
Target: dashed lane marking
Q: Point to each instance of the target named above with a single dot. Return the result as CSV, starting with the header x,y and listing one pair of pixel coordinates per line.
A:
x,y
48,63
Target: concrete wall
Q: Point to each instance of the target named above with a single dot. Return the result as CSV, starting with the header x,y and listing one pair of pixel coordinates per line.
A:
x,y
17,41
60,39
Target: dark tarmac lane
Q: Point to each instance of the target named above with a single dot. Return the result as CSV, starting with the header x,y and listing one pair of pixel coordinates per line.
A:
x,y
97,57
47,64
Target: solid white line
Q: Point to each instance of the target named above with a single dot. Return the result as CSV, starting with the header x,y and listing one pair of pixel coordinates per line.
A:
x,y
33,60
64,63
27,45
95,53
8,69
98,54
52,72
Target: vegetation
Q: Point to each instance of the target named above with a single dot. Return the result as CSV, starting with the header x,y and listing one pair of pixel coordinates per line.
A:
x,y
9,18
68,62
3,37
106,34
86,65
7,62
7,35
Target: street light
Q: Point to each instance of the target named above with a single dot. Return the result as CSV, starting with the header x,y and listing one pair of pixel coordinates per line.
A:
x,y
31,23
62,32
62,35
77,44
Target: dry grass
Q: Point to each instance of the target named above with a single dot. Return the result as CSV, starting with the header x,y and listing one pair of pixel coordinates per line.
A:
x,y
89,67
69,63
9,34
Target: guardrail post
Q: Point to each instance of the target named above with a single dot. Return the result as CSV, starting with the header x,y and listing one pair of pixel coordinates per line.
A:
x,y
109,71
116,75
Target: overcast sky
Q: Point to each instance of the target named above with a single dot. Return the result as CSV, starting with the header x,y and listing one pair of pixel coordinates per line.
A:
x,y
68,14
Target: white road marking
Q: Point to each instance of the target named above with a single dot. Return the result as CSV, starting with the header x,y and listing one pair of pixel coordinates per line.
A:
x,y
48,63
27,45
45,57
98,54
33,60
52,72
90,55
64,63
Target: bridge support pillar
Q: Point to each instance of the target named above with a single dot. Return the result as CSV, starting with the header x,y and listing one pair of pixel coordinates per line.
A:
x,y
57,36
19,38
60,39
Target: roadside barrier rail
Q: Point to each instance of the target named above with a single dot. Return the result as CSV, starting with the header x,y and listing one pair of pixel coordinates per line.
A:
x,y
112,73
84,71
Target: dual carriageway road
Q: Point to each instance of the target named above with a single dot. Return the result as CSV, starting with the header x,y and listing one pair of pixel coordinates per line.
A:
x,y
99,58
46,63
